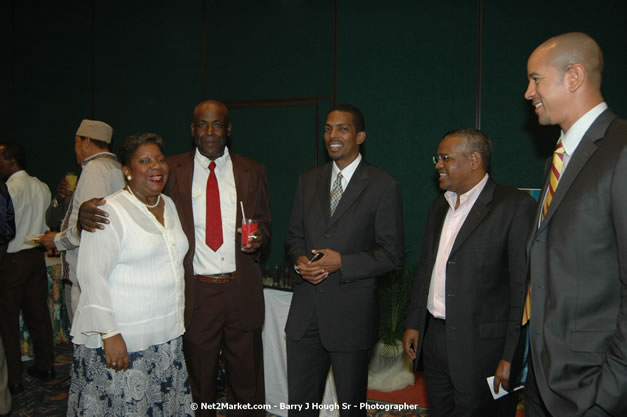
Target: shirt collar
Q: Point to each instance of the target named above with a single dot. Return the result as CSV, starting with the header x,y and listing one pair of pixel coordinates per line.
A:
x,y
16,175
571,138
96,155
220,161
349,170
469,196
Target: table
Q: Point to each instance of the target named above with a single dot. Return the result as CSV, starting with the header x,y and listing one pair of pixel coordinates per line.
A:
x,y
275,356
56,305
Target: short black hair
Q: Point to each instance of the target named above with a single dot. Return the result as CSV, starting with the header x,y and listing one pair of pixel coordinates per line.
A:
x,y
131,143
14,151
357,115
475,141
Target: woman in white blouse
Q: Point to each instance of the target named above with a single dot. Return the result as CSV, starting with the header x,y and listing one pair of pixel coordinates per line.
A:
x,y
127,330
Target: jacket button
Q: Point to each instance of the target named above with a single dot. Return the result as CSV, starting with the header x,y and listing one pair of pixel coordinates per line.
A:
x,y
326,235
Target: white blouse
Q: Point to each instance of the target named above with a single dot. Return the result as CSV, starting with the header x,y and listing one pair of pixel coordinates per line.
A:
x,y
131,276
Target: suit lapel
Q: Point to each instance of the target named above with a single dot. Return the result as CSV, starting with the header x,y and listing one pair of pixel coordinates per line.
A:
x,y
323,191
184,174
476,215
586,148
241,175
355,187
441,210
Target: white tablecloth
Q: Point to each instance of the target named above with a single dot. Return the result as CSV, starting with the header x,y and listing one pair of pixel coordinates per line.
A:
x,y
274,355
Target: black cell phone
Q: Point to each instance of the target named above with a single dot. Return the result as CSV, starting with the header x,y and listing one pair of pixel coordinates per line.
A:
x,y
316,256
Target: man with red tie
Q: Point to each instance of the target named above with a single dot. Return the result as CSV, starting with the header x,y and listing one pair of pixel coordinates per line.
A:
x,y
224,305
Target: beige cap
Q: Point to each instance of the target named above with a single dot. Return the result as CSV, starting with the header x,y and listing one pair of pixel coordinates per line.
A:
x,y
95,130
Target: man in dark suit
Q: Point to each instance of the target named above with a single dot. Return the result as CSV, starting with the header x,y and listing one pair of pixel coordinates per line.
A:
x,y
351,212
224,306
465,309
578,249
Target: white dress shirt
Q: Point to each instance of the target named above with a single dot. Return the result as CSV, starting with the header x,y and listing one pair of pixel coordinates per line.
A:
x,y
572,138
453,222
131,276
31,198
347,173
206,261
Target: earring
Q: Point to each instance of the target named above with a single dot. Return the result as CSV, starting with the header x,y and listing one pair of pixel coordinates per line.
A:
x,y
128,177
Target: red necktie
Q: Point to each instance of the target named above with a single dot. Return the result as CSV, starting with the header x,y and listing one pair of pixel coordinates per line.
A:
x,y
213,223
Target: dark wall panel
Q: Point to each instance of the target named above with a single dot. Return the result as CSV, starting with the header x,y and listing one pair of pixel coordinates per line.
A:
x,y
148,68
269,49
411,68
51,83
511,32
282,139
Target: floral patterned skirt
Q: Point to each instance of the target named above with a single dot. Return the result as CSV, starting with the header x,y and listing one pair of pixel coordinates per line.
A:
x,y
155,384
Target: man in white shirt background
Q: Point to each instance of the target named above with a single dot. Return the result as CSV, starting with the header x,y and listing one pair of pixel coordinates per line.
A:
x,y
101,176
465,309
23,278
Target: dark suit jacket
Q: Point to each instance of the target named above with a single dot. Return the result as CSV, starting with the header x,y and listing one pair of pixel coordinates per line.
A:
x,y
367,230
485,276
252,188
578,266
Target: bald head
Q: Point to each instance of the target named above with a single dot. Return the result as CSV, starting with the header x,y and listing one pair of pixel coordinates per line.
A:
x,y
564,79
211,105
569,49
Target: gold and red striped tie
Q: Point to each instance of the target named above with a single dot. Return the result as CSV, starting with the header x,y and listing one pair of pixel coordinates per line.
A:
x,y
554,178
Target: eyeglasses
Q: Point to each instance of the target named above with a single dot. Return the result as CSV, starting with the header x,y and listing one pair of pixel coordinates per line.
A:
x,y
442,158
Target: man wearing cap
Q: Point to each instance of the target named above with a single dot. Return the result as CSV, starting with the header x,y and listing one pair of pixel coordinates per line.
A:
x,y
101,175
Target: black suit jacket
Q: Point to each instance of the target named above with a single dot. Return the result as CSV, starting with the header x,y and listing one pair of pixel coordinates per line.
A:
x,y
367,230
485,276
578,269
252,188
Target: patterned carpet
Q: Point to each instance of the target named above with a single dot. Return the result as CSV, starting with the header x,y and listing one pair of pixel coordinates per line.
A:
x,y
50,398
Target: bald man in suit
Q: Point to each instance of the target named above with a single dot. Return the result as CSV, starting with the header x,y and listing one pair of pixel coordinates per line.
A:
x,y
578,250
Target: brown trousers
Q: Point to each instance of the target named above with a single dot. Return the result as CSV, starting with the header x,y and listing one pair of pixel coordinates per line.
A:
x,y
214,328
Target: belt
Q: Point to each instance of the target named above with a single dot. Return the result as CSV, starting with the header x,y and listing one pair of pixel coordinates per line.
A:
x,y
215,279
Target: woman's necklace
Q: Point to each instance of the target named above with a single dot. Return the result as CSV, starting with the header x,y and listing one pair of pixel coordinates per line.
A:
x,y
147,205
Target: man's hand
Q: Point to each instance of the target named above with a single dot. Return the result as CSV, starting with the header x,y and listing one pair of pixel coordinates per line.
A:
x,y
116,355
90,217
255,240
63,189
47,240
330,262
410,342
309,271
501,376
